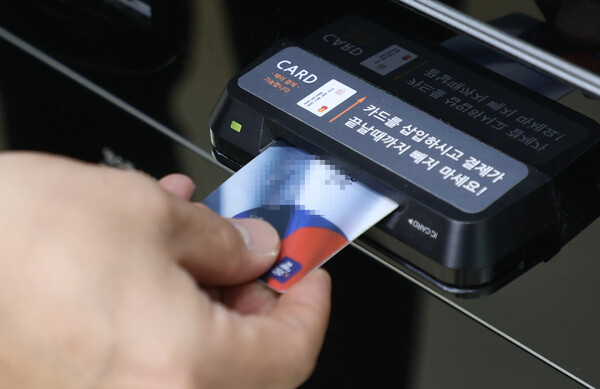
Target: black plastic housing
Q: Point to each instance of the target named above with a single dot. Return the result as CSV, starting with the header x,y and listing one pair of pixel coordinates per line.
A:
x,y
473,253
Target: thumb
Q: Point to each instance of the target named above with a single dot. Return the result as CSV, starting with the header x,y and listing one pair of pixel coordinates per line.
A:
x,y
218,251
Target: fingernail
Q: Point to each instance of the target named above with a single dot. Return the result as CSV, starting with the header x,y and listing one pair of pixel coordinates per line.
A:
x,y
259,236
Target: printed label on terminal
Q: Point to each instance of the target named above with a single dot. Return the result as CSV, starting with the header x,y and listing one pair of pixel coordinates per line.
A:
x,y
533,130
439,158
326,98
388,60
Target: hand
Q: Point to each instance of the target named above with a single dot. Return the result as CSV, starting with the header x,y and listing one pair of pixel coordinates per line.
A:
x,y
110,280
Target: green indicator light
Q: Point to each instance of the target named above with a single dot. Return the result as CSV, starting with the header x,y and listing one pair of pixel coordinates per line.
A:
x,y
235,126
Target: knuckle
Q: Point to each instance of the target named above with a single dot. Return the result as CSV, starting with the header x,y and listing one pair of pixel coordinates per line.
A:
x,y
160,205
148,199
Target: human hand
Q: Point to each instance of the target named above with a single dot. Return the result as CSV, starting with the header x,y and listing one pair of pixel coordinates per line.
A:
x,y
110,280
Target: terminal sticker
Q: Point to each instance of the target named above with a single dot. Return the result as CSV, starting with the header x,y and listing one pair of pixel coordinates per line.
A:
x,y
435,156
326,98
536,131
389,59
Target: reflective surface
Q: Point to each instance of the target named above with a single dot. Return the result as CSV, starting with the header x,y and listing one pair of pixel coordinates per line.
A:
x,y
572,27
385,331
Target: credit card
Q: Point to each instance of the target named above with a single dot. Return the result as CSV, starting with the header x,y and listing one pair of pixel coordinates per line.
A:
x,y
389,59
316,209
326,98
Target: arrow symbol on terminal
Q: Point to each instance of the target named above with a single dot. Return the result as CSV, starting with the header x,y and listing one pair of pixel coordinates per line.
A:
x,y
349,108
410,221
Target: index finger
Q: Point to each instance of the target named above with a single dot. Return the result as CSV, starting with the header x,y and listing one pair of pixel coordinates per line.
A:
x,y
279,349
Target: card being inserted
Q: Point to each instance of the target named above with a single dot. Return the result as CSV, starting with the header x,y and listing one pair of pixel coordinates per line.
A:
x,y
316,209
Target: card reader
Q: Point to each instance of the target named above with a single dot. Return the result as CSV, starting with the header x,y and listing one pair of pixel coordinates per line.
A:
x,y
491,177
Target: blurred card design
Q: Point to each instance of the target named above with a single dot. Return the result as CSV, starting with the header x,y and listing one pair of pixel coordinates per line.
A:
x,y
315,208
